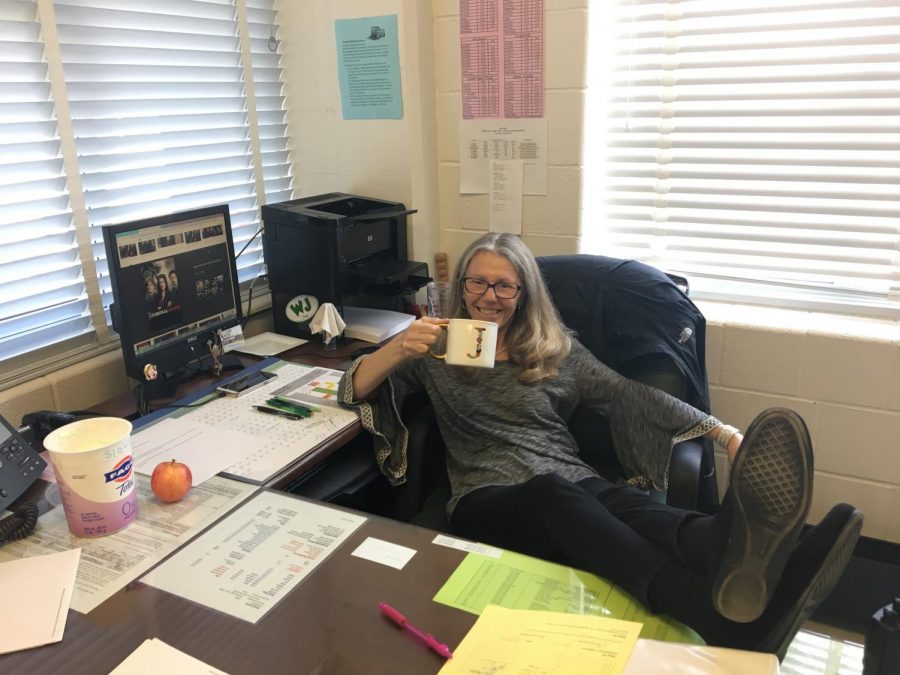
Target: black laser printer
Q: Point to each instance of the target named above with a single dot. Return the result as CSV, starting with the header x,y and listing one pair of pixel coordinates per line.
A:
x,y
337,248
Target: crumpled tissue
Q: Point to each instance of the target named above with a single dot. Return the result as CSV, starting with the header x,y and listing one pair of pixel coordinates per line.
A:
x,y
328,322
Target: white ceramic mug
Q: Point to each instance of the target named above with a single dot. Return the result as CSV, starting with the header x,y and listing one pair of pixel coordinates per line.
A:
x,y
470,343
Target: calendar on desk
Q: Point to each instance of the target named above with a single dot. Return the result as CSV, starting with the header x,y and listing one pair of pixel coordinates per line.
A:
x,y
272,442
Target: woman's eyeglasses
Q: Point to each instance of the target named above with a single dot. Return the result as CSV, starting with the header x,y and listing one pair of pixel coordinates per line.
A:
x,y
502,289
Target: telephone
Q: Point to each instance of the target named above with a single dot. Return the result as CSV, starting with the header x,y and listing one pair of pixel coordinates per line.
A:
x,y
20,466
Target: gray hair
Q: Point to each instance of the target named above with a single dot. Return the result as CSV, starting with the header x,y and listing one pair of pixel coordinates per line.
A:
x,y
536,338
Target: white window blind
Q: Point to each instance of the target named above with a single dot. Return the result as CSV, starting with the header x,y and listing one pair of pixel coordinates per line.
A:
x,y
159,111
270,106
172,105
753,145
42,294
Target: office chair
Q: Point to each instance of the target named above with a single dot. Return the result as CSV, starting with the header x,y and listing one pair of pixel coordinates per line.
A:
x,y
637,320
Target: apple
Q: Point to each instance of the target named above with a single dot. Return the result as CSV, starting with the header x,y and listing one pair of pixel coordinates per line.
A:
x,y
170,481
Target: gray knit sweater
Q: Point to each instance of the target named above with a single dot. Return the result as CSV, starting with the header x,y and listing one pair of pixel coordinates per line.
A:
x,y
499,431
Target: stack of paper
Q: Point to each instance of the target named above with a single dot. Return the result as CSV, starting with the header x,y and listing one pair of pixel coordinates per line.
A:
x,y
374,325
155,656
37,591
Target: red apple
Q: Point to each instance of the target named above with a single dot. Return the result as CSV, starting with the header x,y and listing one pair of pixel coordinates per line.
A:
x,y
171,481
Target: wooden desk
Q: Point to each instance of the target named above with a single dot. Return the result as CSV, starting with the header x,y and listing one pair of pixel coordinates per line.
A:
x,y
328,624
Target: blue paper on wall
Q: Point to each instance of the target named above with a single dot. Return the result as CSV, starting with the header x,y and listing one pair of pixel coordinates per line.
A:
x,y
369,68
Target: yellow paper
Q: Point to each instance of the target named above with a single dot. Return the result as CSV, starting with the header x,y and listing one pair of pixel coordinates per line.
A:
x,y
537,643
520,582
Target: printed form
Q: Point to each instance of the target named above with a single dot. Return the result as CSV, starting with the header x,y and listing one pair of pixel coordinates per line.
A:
x,y
502,69
249,561
527,641
110,563
502,50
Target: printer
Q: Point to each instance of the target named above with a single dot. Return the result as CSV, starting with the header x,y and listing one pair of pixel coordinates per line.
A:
x,y
337,248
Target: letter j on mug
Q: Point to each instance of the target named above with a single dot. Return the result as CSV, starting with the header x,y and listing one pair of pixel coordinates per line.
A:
x,y
470,343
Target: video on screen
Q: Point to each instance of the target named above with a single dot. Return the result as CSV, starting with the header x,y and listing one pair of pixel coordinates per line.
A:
x,y
190,286
161,293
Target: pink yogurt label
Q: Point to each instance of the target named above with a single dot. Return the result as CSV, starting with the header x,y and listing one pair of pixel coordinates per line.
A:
x,y
87,518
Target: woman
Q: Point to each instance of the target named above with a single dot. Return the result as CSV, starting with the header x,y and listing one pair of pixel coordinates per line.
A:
x,y
151,293
517,481
164,299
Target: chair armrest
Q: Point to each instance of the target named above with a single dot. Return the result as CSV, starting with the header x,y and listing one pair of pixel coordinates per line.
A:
x,y
692,477
424,456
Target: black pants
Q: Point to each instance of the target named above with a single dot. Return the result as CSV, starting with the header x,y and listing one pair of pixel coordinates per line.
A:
x,y
614,531
659,554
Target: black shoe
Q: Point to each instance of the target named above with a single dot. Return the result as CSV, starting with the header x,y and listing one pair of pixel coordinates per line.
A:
x,y
810,575
768,499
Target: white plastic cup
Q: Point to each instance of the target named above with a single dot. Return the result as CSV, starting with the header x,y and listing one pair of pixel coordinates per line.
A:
x,y
94,471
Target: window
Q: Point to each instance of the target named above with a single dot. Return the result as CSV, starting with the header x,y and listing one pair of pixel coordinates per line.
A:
x,y
42,297
163,107
751,145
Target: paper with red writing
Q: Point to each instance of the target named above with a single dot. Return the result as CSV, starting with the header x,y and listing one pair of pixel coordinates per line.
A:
x,y
502,58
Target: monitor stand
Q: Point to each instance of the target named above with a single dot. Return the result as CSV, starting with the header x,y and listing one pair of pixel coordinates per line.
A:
x,y
166,385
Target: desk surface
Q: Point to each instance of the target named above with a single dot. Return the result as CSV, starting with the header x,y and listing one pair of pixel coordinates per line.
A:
x,y
328,624
309,354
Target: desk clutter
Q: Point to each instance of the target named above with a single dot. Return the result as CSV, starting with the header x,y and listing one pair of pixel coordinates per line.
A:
x,y
260,547
239,578
256,434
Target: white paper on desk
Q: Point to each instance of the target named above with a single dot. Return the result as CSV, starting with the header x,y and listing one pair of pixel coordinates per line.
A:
x,y
155,656
111,562
384,552
244,564
676,658
269,443
36,595
206,450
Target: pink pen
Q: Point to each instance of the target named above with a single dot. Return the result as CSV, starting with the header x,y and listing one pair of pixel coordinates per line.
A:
x,y
427,638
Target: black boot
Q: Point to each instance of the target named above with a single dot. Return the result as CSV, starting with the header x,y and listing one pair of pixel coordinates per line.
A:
x,y
810,575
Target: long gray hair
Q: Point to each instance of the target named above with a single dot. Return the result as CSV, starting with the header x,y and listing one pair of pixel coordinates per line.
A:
x,y
536,338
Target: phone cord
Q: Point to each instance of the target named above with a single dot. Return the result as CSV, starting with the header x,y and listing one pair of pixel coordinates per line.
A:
x,y
19,524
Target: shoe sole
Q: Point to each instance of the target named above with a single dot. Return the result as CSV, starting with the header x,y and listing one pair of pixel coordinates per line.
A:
x,y
781,636
771,491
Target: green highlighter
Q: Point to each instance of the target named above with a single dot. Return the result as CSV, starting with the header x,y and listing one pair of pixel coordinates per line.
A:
x,y
294,408
308,406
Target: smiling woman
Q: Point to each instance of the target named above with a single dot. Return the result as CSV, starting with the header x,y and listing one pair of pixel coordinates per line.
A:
x,y
518,481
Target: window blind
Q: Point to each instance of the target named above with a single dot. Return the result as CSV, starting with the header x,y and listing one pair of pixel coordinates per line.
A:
x,y
270,105
752,145
42,294
160,113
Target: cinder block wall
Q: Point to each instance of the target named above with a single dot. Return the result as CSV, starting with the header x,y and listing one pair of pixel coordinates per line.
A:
x,y
841,374
85,384
77,387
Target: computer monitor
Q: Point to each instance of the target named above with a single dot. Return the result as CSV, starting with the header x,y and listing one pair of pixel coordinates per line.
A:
x,y
174,284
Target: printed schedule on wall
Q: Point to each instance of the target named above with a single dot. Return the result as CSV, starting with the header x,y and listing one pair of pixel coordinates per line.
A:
x,y
502,58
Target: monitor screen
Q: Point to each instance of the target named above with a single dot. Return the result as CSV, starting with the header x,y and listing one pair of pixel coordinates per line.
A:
x,y
174,284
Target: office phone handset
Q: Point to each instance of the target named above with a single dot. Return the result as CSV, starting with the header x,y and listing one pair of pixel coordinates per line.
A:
x,y
20,466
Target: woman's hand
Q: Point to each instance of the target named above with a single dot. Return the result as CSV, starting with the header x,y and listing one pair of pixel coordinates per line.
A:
x,y
728,437
419,337
413,343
